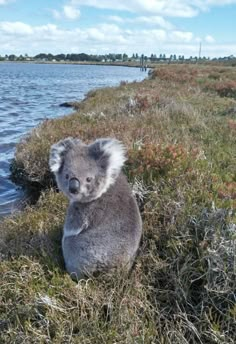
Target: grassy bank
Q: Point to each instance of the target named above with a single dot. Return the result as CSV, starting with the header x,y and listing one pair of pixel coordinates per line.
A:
x,y
180,131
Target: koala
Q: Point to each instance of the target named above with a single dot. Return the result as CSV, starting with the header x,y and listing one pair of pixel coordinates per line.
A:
x,y
103,226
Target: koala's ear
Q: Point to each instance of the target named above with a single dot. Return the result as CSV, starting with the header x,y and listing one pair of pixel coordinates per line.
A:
x,y
58,151
110,155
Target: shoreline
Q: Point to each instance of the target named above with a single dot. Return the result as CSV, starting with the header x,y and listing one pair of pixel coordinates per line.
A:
x,y
150,65
115,64
73,105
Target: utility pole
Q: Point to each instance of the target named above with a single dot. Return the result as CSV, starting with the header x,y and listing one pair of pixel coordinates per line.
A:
x,y
142,62
200,50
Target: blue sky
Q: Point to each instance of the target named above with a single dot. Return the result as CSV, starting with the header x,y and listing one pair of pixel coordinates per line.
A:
x,y
126,26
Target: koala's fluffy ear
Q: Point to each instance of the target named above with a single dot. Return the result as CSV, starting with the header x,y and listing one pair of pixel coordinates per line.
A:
x,y
58,151
110,155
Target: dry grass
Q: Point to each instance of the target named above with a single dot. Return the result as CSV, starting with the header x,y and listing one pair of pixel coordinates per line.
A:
x,y
181,162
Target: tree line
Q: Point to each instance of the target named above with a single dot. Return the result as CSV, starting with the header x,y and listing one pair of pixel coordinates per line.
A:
x,y
83,57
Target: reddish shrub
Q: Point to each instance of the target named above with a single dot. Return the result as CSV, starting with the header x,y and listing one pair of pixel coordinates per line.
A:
x,y
227,191
154,160
232,124
225,88
142,102
181,74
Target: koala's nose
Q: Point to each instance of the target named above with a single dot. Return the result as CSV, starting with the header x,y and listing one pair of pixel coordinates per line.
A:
x,y
74,185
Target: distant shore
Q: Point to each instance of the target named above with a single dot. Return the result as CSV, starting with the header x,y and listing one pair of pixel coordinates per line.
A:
x,y
135,64
118,64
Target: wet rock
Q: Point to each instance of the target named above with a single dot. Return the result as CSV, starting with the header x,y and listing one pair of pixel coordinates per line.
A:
x,y
74,105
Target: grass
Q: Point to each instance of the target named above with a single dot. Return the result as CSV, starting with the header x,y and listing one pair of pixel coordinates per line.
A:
x,y
180,137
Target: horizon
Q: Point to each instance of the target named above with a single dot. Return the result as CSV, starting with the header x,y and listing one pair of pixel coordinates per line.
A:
x,y
117,57
102,27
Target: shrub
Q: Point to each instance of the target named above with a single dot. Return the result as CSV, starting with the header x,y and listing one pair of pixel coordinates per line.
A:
x,y
177,74
154,160
226,88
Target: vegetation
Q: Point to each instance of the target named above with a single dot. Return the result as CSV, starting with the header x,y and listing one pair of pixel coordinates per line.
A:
x,y
180,131
110,58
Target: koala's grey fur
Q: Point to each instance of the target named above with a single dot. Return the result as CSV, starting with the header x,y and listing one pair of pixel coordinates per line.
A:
x,y
103,226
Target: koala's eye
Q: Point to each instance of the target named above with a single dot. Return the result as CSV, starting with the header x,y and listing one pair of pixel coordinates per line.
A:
x,y
67,176
88,179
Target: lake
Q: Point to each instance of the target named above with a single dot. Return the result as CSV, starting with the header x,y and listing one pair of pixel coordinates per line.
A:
x,y
30,93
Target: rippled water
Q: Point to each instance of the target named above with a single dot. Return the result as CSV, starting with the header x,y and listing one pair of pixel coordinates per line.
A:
x,y
29,93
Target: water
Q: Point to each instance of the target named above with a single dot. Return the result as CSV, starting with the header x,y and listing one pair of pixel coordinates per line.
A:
x,y
30,93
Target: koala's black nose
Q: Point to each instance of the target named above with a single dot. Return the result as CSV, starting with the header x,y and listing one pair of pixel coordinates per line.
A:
x,y
74,185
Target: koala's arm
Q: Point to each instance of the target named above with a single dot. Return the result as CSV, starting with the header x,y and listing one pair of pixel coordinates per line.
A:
x,y
117,212
77,219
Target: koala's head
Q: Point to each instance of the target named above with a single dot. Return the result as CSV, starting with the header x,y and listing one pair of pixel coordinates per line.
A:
x,y
84,172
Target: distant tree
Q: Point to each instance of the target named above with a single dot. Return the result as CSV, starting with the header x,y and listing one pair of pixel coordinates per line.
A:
x,y
41,56
82,57
112,57
50,57
12,57
60,57
120,57
125,57
20,58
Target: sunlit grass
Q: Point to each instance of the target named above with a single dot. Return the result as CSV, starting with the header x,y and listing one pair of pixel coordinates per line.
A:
x,y
180,139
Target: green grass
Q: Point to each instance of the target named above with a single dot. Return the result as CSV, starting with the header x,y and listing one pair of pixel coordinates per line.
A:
x,y
180,136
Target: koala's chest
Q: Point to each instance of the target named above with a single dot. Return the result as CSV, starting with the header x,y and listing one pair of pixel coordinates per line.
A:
x,y
86,217
76,218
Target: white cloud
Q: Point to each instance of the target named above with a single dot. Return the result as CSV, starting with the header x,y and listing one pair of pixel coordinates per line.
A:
x,y
147,20
220,2
15,28
67,11
116,19
5,2
174,8
209,39
181,36
56,14
19,38
154,20
71,12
